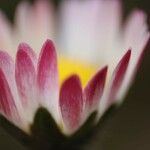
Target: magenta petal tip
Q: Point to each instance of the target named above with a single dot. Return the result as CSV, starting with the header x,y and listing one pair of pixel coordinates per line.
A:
x,y
118,76
71,102
94,90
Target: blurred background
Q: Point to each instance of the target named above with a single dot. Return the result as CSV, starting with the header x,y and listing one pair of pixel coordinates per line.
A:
x,y
129,128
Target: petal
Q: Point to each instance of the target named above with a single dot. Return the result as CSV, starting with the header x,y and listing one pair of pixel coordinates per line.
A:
x,y
118,77
22,19
47,79
135,61
94,90
6,64
71,103
80,26
114,84
7,103
8,69
110,19
25,73
136,37
34,23
43,16
90,31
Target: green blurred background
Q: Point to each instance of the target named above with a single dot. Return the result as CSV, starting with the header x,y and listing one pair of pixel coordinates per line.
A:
x,y
129,128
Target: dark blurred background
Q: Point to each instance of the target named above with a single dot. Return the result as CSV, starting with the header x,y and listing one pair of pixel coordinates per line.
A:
x,y
129,128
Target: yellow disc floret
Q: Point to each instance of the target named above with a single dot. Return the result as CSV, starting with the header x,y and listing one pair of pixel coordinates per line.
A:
x,y
68,67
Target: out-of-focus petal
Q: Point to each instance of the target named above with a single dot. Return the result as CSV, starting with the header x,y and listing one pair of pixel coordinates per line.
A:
x,y
94,90
100,25
136,36
118,76
35,23
71,103
7,103
136,31
44,16
8,85
22,19
47,79
115,83
110,18
75,22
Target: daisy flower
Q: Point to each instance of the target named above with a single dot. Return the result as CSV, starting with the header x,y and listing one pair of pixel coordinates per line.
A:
x,y
92,67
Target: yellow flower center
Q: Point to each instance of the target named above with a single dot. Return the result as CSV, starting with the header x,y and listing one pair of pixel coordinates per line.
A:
x,y
68,67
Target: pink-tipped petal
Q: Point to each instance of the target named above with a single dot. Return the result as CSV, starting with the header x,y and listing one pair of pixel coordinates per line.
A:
x,y
8,70
47,66
135,62
118,77
71,103
7,103
47,79
7,65
5,32
136,36
94,90
25,73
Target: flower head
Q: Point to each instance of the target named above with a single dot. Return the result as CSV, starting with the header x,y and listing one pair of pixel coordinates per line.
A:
x,y
94,66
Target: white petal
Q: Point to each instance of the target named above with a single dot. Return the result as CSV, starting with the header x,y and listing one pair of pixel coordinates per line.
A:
x,y
78,27
88,28
34,24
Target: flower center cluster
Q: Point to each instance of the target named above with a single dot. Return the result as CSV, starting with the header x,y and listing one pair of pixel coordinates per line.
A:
x,y
68,67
